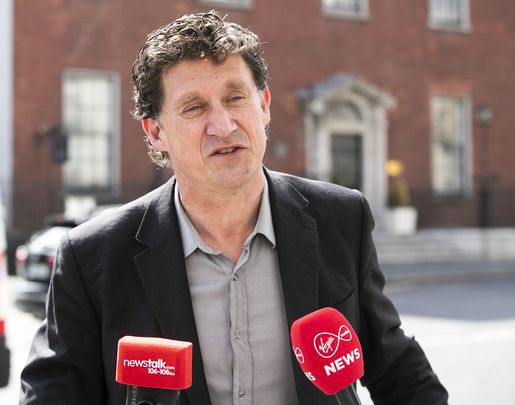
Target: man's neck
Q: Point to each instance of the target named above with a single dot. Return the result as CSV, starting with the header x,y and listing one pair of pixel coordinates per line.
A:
x,y
225,218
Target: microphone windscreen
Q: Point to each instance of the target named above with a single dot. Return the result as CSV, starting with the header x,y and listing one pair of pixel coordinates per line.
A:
x,y
327,349
154,363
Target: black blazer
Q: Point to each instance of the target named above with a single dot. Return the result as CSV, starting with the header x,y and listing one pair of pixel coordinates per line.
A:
x,y
123,273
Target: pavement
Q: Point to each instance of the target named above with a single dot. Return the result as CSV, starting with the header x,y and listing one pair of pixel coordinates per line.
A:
x,y
400,274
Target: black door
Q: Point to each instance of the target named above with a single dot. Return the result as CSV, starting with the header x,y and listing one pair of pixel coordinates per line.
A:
x,y
347,164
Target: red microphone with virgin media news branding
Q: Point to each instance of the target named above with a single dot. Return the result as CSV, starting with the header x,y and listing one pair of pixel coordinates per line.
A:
x,y
155,370
328,351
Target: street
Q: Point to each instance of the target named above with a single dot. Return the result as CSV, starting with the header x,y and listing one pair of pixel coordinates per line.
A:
x,y
467,331
20,329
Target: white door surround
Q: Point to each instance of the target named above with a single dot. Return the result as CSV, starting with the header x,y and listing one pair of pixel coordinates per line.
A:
x,y
346,105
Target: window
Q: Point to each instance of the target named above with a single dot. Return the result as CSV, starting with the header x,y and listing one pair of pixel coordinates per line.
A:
x,y
450,116
450,15
237,4
90,118
357,9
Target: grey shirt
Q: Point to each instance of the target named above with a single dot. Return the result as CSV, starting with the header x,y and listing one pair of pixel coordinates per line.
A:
x,y
240,315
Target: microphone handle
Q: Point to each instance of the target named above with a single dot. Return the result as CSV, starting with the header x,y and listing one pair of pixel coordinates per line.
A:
x,y
349,396
151,396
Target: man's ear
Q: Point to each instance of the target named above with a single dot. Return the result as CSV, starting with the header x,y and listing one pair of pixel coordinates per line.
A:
x,y
265,105
154,133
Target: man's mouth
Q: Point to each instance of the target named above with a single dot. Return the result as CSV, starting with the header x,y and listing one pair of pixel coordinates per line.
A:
x,y
226,151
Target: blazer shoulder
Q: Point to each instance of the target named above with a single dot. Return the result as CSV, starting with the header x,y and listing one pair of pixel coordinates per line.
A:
x,y
316,191
118,223
331,205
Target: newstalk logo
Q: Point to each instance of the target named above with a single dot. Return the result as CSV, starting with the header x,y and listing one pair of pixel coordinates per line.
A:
x,y
153,366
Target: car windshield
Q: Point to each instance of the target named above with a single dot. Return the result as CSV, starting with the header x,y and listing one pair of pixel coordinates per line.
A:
x,y
49,238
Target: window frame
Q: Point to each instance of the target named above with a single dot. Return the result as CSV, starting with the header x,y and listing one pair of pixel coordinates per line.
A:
x,y
331,10
465,145
231,4
462,25
112,187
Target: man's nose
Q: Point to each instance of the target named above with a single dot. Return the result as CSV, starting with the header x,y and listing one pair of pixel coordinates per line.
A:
x,y
220,122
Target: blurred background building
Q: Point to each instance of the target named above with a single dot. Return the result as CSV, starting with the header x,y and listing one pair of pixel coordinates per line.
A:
x,y
6,100
355,83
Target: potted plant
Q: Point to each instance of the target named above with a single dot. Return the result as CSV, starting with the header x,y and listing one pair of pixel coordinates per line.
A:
x,y
402,217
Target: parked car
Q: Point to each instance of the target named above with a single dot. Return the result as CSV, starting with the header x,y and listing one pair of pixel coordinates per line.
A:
x,y
35,258
4,351
34,262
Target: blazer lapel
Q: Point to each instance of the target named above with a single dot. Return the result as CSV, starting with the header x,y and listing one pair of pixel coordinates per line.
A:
x,y
297,246
162,272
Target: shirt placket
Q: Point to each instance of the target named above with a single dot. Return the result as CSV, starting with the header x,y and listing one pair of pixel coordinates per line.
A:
x,y
242,364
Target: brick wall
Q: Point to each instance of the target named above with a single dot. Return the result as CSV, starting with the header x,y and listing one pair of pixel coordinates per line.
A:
x,y
394,50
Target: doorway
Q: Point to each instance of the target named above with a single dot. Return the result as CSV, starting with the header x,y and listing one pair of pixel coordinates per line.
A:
x,y
347,160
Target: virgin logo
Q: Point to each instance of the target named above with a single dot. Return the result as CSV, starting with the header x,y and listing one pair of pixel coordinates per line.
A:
x,y
327,344
299,355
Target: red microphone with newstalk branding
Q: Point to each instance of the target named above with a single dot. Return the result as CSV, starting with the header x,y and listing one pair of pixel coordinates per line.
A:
x,y
154,369
328,351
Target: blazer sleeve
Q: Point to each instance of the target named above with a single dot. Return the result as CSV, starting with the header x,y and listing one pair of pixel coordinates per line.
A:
x,y
65,362
396,368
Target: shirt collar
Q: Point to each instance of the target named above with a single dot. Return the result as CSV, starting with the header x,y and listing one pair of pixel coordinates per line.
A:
x,y
192,241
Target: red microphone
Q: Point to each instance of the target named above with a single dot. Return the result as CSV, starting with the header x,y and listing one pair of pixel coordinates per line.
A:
x,y
155,370
328,351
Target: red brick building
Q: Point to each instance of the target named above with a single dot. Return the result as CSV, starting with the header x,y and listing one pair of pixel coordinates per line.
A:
x,y
353,82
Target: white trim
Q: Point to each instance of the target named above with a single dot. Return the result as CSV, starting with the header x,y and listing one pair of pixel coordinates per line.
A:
x,y
6,107
320,125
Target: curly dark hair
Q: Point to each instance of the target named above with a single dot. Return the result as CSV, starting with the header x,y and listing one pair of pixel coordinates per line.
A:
x,y
192,36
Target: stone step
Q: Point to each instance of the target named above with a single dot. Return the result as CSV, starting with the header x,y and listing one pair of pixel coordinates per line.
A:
x,y
447,245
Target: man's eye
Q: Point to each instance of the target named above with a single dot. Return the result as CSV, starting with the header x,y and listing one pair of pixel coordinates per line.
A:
x,y
192,109
236,99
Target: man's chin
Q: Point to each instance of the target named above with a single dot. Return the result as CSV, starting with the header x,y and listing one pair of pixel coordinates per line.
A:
x,y
235,179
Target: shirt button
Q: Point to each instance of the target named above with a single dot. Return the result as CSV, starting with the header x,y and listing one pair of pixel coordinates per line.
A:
x,y
241,393
236,335
235,277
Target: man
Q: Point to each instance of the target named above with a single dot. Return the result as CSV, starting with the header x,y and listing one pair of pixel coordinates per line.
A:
x,y
225,255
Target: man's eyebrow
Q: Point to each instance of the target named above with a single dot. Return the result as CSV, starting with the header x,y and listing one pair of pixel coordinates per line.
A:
x,y
236,84
187,98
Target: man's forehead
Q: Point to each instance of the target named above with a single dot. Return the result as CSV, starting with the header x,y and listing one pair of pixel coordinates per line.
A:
x,y
194,77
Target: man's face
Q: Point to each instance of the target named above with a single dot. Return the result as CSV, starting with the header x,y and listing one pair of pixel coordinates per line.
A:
x,y
212,124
